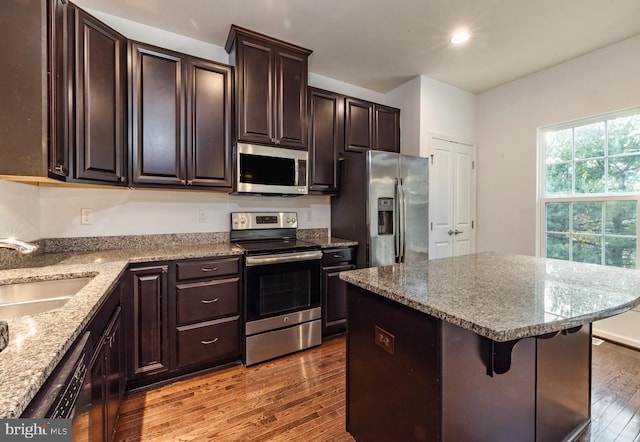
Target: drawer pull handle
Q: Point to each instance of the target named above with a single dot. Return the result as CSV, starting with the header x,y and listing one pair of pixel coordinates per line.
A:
x,y
210,301
337,256
209,269
209,342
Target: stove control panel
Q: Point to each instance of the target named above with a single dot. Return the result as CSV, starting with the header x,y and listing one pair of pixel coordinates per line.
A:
x,y
263,220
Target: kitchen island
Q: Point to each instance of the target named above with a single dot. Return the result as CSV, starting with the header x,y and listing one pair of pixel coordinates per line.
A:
x,y
483,347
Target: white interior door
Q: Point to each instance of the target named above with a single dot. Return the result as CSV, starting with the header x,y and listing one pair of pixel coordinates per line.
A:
x,y
451,198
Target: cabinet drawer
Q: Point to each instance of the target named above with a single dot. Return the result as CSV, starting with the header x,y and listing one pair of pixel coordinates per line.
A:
x,y
201,301
332,257
207,269
208,341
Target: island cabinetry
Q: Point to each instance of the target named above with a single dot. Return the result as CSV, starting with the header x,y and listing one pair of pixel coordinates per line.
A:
x,y
207,312
147,322
180,119
450,384
326,139
271,89
334,290
371,126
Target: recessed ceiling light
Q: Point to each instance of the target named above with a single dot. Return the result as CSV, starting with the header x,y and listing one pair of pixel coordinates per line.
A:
x,y
459,37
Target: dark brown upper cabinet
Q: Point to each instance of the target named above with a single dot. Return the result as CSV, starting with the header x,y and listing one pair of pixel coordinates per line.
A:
x,y
326,139
358,125
99,105
386,123
371,126
271,89
24,87
180,125
64,98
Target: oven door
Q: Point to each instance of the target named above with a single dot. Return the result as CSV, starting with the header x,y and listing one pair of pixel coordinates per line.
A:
x,y
282,283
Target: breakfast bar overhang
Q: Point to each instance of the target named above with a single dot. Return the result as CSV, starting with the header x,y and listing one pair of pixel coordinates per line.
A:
x,y
483,347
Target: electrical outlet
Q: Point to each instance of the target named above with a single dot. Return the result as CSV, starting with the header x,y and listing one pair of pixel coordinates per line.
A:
x,y
202,216
86,216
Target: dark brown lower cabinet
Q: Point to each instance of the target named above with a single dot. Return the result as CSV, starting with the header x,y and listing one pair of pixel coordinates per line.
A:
x,y
182,317
334,290
107,382
146,308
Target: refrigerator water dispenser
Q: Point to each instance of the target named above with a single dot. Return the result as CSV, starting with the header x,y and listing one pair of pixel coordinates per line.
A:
x,y
385,216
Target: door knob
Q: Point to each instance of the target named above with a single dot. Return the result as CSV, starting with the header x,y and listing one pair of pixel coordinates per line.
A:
x,y
450,232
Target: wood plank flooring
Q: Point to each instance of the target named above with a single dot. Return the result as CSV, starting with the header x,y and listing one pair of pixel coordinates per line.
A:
x,y
301,397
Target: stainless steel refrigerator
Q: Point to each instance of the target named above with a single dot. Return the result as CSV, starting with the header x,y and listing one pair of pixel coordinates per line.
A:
x,y
384,205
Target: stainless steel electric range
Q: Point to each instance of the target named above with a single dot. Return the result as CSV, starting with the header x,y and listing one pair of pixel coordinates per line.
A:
x,y
282,277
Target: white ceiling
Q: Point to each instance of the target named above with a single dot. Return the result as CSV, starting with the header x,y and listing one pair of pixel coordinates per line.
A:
x,y
380,44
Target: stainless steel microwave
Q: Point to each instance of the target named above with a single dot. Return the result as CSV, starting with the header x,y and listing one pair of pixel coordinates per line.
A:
x,y
270,170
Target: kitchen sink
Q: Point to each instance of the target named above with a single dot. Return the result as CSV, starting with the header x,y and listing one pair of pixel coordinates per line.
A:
x,y
30,298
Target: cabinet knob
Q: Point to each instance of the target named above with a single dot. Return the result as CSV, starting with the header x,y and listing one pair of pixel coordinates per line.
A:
x,y
183,182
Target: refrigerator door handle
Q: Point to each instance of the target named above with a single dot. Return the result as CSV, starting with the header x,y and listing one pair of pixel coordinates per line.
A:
x,y
403,221
397,229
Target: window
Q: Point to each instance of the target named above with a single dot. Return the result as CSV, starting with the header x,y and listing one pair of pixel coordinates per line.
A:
x,y
590,190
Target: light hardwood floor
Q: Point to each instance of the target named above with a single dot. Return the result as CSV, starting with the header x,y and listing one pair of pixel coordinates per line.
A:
x,y
301,397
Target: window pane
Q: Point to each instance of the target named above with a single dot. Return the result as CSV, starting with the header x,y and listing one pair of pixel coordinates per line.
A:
x,y
624,174
589,140
621,217
587,248
624,135
557,246
590,176
557,217
620,252
587,217
559,179
559,145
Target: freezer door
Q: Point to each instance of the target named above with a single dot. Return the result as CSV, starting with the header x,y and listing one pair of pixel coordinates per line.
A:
x,y
415,190
382,198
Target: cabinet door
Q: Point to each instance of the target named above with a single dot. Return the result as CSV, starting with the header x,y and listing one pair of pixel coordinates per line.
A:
x,y
334,301
114,387
387,128
147,323
209,123
291,99
97,415
157,116
100,101
326,139
358,125
58,88
255,69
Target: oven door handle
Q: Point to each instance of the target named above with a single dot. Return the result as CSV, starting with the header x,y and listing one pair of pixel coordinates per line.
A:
x,y
283,258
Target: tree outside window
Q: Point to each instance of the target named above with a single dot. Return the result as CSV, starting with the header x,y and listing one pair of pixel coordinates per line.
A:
x,y
592,185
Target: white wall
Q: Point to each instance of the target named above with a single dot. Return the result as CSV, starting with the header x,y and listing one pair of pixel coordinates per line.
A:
x,y
432,107
19,211
508,118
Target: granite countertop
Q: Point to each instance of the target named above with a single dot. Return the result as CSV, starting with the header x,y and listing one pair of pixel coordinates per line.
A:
x,y
37,343
503,296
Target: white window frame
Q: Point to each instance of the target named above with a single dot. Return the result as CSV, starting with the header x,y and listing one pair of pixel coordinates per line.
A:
x,y
542,199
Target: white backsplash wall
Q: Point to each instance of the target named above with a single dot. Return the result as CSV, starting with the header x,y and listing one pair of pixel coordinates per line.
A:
x,y
19,211
139,212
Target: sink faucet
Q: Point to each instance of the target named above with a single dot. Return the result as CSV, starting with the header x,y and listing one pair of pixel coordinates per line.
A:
x,y
16,244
